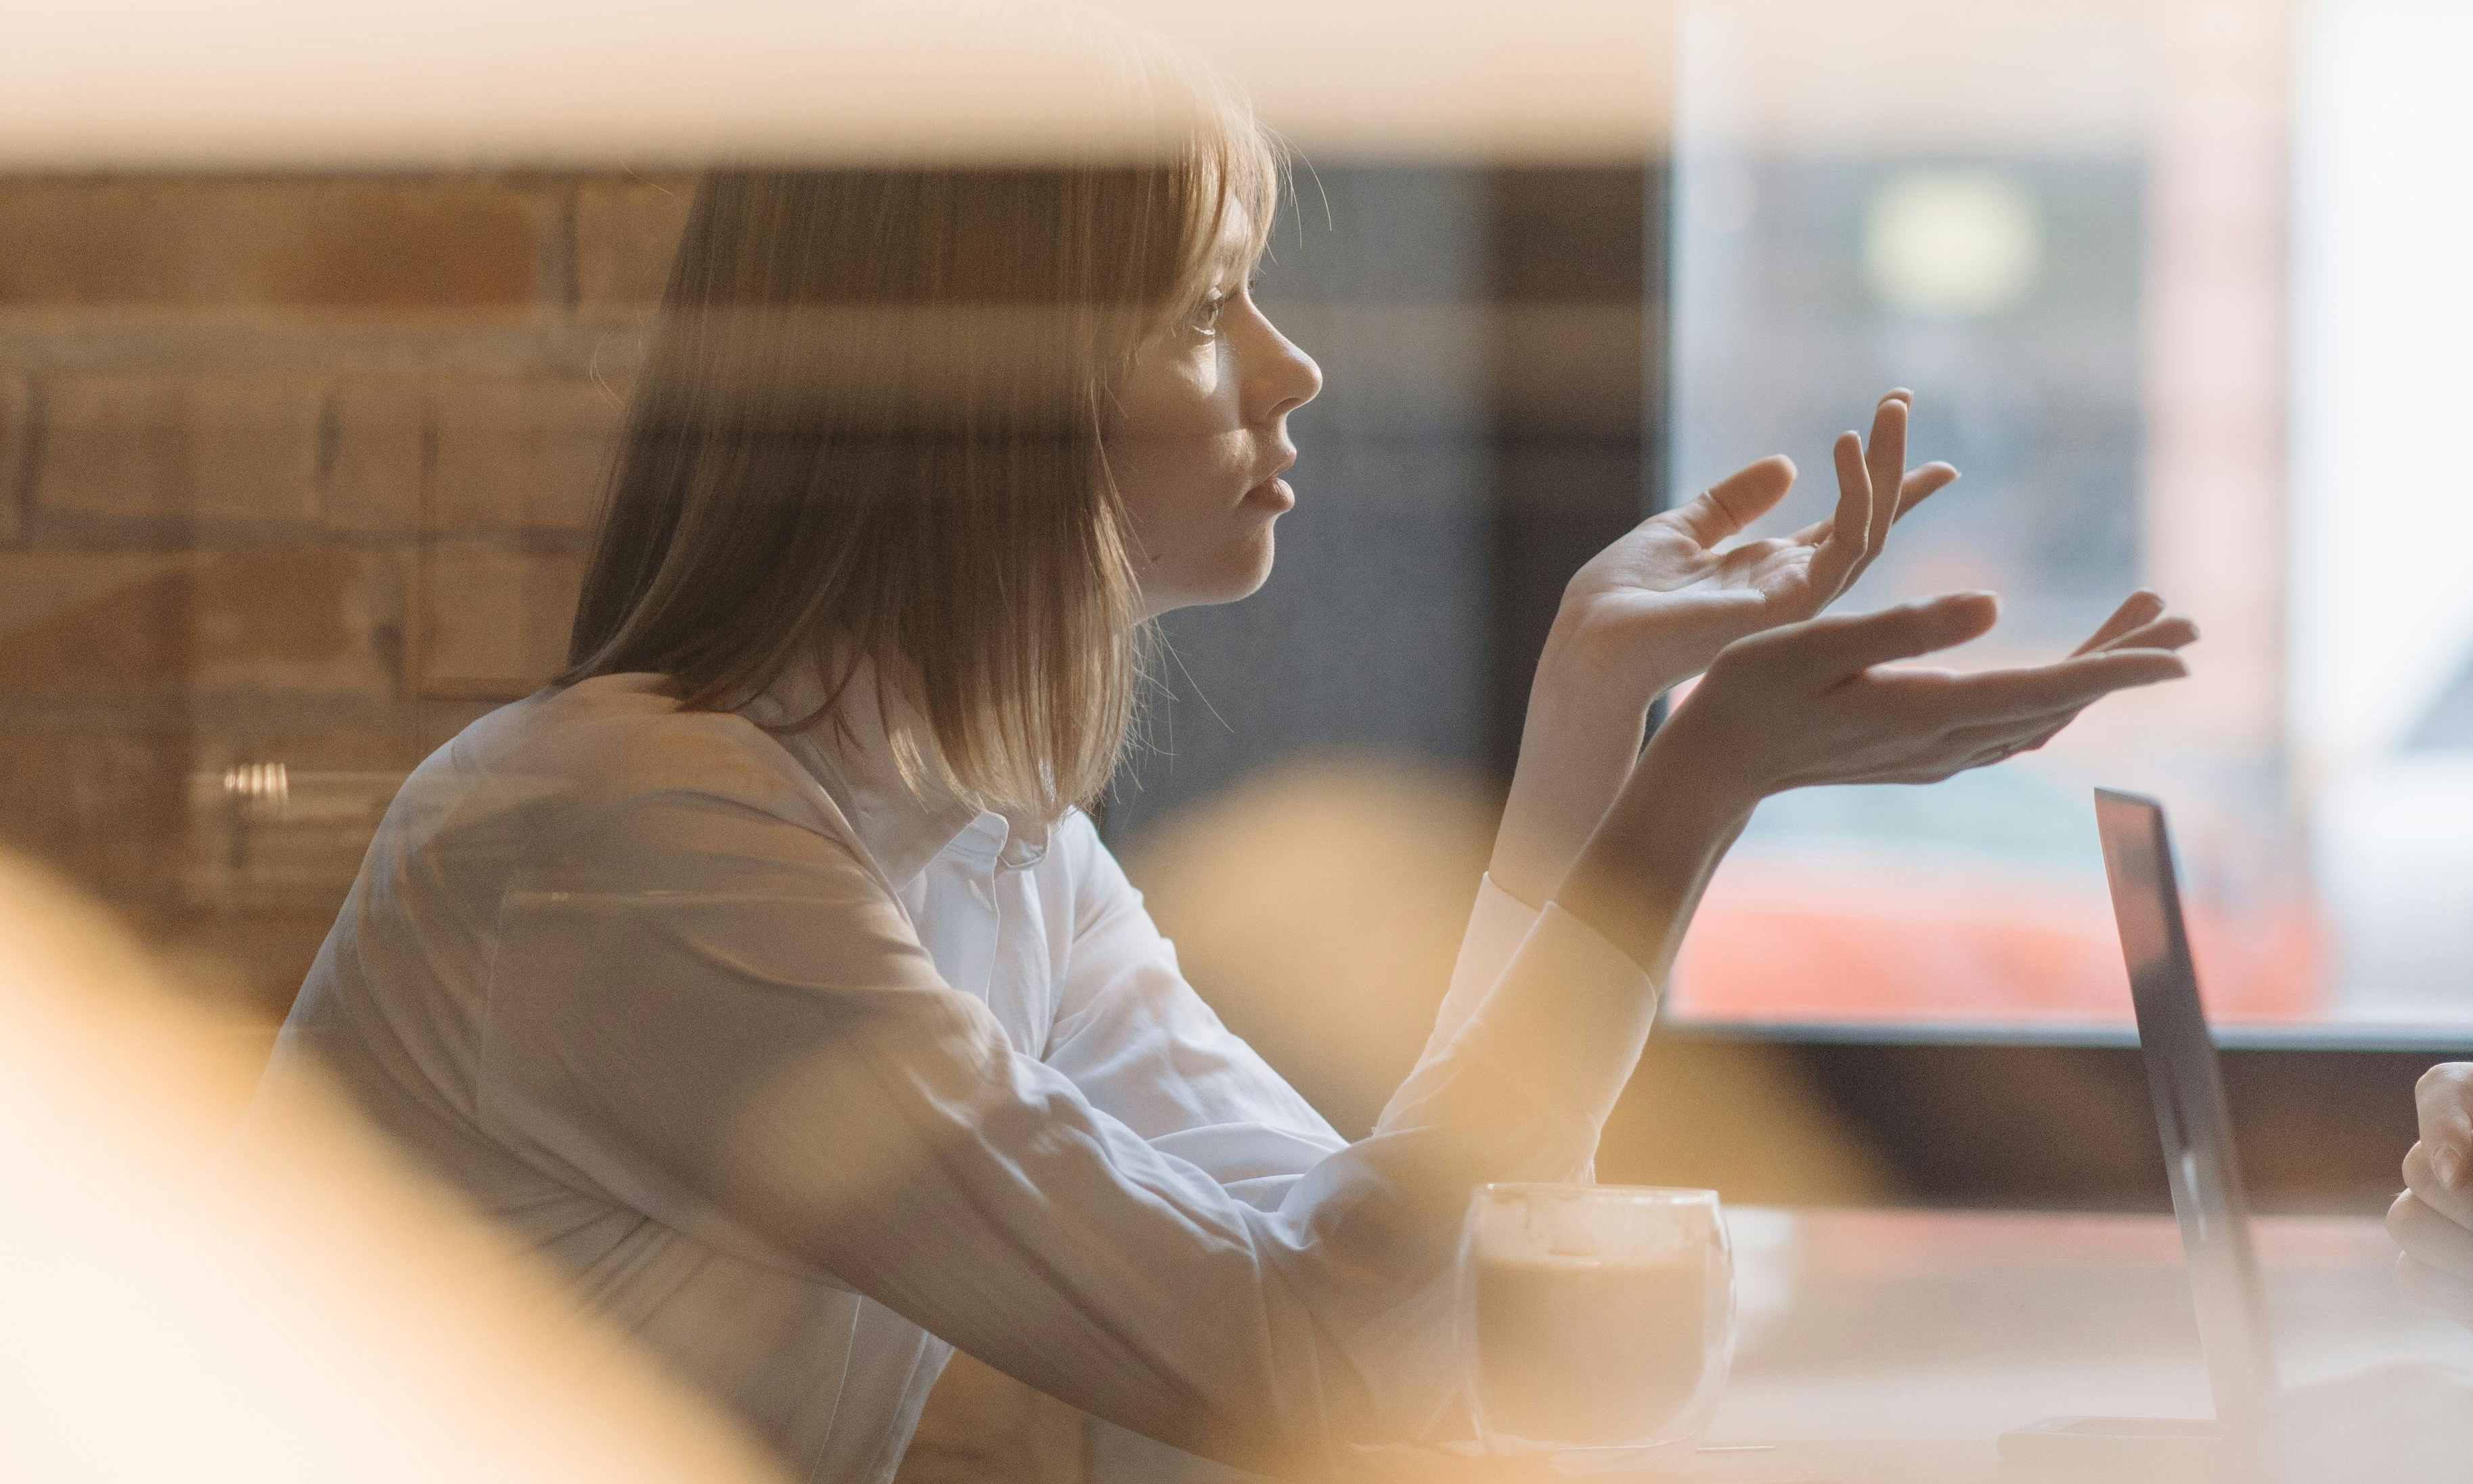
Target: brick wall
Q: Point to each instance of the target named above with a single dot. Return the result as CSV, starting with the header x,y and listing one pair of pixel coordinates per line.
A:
x,y
292,470
303,471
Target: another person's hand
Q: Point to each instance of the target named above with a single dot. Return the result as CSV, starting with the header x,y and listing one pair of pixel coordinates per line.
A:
x,y
1655,607
2433,1219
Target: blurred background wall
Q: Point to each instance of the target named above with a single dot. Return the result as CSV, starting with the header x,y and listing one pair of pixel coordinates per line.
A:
x,y
296,473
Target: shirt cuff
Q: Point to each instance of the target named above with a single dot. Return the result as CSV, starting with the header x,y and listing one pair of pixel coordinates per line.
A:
x,y
1567,1018
1497,924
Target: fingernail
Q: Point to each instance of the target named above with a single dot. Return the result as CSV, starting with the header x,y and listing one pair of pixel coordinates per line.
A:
x,y
2449,1165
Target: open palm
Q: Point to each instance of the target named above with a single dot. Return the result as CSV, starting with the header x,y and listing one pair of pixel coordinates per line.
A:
x,y
1667,595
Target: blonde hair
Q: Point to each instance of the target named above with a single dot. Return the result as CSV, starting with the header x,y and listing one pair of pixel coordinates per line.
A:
x,y
870,431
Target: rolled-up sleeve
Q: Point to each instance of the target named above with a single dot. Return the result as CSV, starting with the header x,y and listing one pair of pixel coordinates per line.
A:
x,y
1499,922
706,1005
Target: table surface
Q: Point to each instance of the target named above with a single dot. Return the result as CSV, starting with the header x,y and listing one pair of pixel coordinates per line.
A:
x,y
1900,1345
1905,1325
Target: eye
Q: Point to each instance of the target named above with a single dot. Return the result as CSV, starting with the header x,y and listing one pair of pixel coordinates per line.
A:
x,y
1205,319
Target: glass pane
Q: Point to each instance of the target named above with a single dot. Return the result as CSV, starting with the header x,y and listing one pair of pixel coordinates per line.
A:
x,y
2112,252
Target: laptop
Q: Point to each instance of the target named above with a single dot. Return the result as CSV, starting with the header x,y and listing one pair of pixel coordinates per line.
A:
x,y
2199,1163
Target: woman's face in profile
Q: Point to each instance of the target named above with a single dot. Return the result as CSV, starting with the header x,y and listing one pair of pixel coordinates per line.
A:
x,y
1200,438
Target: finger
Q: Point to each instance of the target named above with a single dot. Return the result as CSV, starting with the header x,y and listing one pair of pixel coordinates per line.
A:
x,y
2421,1176
1842,645
1884,470
2426,1285
2444,1099
1922,484
2171,632
1998,695
1959,752
1842,550
2009,738
1992,757
1976,747
2430,1236
1736,500
2138,609
1938,769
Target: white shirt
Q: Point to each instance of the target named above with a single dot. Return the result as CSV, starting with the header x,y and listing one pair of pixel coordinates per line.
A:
x,y
803,1080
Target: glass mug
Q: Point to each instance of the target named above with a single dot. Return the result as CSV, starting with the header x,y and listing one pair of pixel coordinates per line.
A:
x,y
1594,1317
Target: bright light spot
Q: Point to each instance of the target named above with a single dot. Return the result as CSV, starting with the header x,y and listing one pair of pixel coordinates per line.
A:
x,y
1952,242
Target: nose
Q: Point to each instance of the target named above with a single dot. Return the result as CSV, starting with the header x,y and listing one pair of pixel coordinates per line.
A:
x,y
1284,378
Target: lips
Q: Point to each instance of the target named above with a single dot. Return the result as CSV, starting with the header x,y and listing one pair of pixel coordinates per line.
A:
x,y
1272,492
1271,486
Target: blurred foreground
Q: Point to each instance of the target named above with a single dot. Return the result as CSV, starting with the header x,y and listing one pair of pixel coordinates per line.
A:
x,y
322,1315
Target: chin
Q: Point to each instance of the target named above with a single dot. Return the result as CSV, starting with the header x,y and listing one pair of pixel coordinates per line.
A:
x,y
1250,567
1232,574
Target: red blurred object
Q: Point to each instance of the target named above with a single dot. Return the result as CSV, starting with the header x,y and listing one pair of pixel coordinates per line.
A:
x,y
1892,941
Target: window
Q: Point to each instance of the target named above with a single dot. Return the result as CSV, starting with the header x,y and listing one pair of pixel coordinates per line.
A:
x,y
2119,251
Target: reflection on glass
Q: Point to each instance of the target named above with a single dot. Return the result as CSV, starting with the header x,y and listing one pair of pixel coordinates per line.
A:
x,y
2095,294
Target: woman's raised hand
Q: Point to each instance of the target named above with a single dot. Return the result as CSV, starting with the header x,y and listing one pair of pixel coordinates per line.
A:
x,y
1660,605
1657,606
1824,702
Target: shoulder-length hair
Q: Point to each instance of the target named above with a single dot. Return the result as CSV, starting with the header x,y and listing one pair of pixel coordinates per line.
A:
x,y
870,437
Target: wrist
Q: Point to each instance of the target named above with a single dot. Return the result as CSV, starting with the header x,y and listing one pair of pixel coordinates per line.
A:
x,y
1640,876
1589,659
1578,746
1686,778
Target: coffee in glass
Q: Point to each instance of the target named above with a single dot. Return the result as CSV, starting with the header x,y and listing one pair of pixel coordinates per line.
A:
x,y
1594,1316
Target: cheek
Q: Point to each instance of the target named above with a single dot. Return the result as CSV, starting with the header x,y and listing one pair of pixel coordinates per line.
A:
x,y
1173,501
1195,541
1179,456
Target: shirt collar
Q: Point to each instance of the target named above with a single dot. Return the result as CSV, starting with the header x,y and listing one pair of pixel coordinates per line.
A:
x,y
904,828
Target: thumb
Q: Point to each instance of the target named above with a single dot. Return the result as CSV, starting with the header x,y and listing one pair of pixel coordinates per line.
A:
x,y
1736,500
1839,646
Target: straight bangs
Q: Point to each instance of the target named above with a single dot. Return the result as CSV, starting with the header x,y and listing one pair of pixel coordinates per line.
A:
x,y
868,438
1231,164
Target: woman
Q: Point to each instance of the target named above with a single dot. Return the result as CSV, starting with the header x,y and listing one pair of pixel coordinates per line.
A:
x,y
764,973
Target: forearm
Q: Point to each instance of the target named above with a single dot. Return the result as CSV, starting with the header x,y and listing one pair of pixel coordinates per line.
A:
x,y
1521,1089
1572,1009
1641,876
1581,736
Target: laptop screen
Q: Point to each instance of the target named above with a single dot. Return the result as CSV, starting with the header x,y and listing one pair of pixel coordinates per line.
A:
x,y
2200,1156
